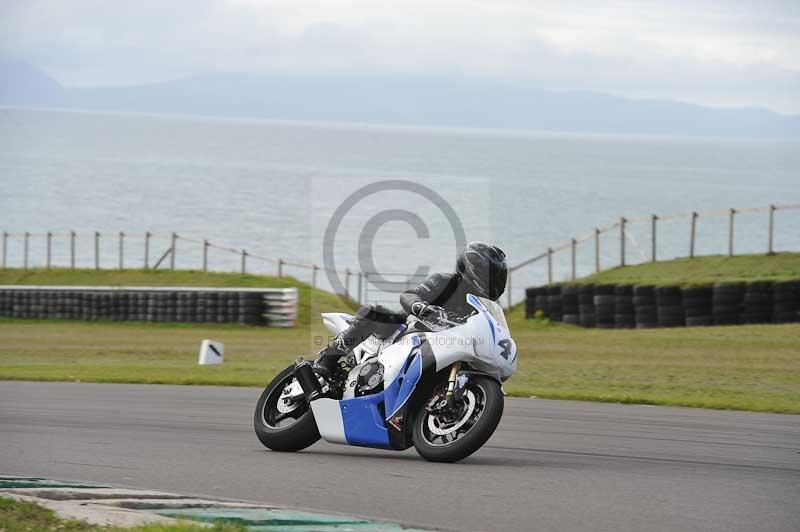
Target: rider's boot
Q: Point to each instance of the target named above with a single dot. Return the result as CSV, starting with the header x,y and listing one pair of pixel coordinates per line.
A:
x,y
328,358
369,320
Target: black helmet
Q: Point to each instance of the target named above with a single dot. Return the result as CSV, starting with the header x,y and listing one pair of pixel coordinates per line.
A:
x,y
484,270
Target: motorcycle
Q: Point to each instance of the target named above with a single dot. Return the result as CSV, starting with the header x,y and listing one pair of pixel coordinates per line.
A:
x,y
435,385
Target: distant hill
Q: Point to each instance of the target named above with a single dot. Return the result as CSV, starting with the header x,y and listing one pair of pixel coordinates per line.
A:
x,y
20,83
460,102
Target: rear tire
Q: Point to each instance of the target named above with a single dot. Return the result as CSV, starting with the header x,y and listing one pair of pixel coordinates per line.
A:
x,y
478,433
275,435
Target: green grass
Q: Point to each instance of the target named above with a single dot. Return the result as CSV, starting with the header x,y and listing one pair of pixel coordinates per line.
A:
x,y
753,367
311,299
25,516
704,270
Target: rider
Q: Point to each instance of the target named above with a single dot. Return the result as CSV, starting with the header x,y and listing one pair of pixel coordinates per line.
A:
x,y
481,269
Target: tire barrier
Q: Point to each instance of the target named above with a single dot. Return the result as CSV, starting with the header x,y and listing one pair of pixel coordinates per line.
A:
x,y
604,306
624,313
530,301
786,302
757,304
554,308
726,303
540,303
669,306
569,305
607,306
586,314
697,305
274,307
644,304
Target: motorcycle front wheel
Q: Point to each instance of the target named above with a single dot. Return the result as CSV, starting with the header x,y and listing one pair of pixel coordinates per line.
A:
x,y
441,438
282,427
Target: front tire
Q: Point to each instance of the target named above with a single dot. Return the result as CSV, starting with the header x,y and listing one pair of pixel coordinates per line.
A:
x,y
440,441
284,429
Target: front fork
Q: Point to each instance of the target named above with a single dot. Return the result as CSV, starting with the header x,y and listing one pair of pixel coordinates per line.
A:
x,y
450,396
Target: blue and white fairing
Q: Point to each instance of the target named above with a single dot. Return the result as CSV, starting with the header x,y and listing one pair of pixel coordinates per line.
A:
x,y
363,421
484,342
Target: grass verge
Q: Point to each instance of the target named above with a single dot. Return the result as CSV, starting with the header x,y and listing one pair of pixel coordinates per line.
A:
x,y
754,367
744,367
704,270
25,516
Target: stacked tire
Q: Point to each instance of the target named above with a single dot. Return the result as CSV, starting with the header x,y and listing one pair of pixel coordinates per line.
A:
x,y
554,309
586,314
624,314
757,304
697,304
669,306
530,301
605,302
251,308
569,305
645,308
540,302
726,303
786,302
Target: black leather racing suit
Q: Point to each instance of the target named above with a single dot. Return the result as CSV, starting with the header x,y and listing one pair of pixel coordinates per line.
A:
x,y
445,290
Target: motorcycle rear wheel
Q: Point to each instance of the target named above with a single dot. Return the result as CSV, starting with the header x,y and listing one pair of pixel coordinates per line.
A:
x,y
290,430
450,441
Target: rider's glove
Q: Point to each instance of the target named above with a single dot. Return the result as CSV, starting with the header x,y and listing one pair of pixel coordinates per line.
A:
x,y
431,313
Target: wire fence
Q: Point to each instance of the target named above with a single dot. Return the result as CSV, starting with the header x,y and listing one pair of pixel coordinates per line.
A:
x,y
615,244
167,251
568,261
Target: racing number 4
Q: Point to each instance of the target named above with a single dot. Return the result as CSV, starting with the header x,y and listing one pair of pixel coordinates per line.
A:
x,y
506,346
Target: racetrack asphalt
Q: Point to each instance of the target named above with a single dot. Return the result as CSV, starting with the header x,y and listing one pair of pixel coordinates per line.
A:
x,y
551,466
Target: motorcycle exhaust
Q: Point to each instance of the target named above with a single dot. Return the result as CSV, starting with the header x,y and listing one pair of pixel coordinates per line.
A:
x,y
305,375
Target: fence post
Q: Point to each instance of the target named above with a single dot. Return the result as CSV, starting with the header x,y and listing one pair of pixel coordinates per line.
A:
x,y
49,249
121,250
549,265
147,236
314,269
5,248
97,250
573,258
622,241
172,247
280,267
359,287
730,232
653,221
508,288
72,249
25,253
244,261
205,255
692,237
596,250
771,229
347,283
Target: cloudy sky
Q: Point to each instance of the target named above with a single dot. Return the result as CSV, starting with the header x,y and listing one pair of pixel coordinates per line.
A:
x,y
720,53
